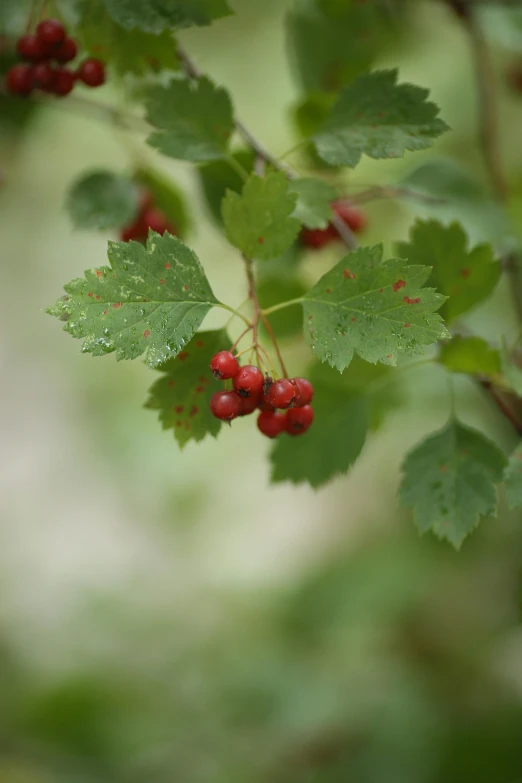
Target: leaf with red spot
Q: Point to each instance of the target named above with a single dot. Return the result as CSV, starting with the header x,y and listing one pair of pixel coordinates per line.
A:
x,y
377,309
259,222
182,394
150,300
466,277
449,479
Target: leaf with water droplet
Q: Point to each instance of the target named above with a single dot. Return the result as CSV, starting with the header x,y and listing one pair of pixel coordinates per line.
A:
x,y
163,294
377,309
449,479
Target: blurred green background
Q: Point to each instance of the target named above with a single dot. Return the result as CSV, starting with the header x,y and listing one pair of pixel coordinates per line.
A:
x,y
172,616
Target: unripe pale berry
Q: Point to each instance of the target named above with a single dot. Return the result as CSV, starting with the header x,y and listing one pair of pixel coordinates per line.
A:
x,y
225,405
224,365
282,393
248,382
271,423
299,420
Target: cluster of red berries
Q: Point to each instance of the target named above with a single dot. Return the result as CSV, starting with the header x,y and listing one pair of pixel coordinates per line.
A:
x,y
148,216
50,43
354,218
254,391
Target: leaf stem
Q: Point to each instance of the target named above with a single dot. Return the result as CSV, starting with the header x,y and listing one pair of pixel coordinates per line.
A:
x,y
235,312
238,168
281,306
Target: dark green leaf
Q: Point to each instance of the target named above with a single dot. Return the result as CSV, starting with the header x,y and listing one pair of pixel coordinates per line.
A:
x,y
102,200
155,16
182,394
511,371
150,300
314,197
470,355
372,307
467,278
194,119
259,221
167,197
513,478
449,479
379,118
219,176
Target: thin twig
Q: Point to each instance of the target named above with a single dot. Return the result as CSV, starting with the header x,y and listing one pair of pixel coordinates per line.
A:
x,y
501,404
391,191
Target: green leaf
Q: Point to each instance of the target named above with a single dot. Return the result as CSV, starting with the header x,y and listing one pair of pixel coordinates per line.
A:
x,y
182,394
380,118
470,355
127,51
259,221
167,197
449,479
154,16
372,307
513,478
332,444
511,372
330,45
219,176
467,278
271,291
150,300
195,119
102,200
314,197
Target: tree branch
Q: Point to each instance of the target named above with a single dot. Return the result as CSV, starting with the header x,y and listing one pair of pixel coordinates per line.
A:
x,y
496,396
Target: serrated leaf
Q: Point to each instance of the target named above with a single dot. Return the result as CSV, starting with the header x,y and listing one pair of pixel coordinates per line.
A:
x,y
154,16
331,45
182,395
194,119
513,478
314,197
470,355
380,118
102,200
219,176
167,197
372,307
127,51
449,479
466,277
150,300
258,222
332,444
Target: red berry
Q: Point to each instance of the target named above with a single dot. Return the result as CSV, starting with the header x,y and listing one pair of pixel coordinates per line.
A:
x,y
224,365
146,200
305,392
298,420
91,72
271,423
30,47
63,81
66,51
265,404
225,405
157,221
19,79
282,393
248,405
50,32
43,76
351,215
316,238
248,382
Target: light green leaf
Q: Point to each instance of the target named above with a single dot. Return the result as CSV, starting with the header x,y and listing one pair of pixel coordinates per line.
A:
x,y
314,197
150,300
182,394
470,355
167,197
449,479
194,119
513,479
372,307
155,16
466,277
379,118
219,176
127,51
102,200
259,221
512,372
